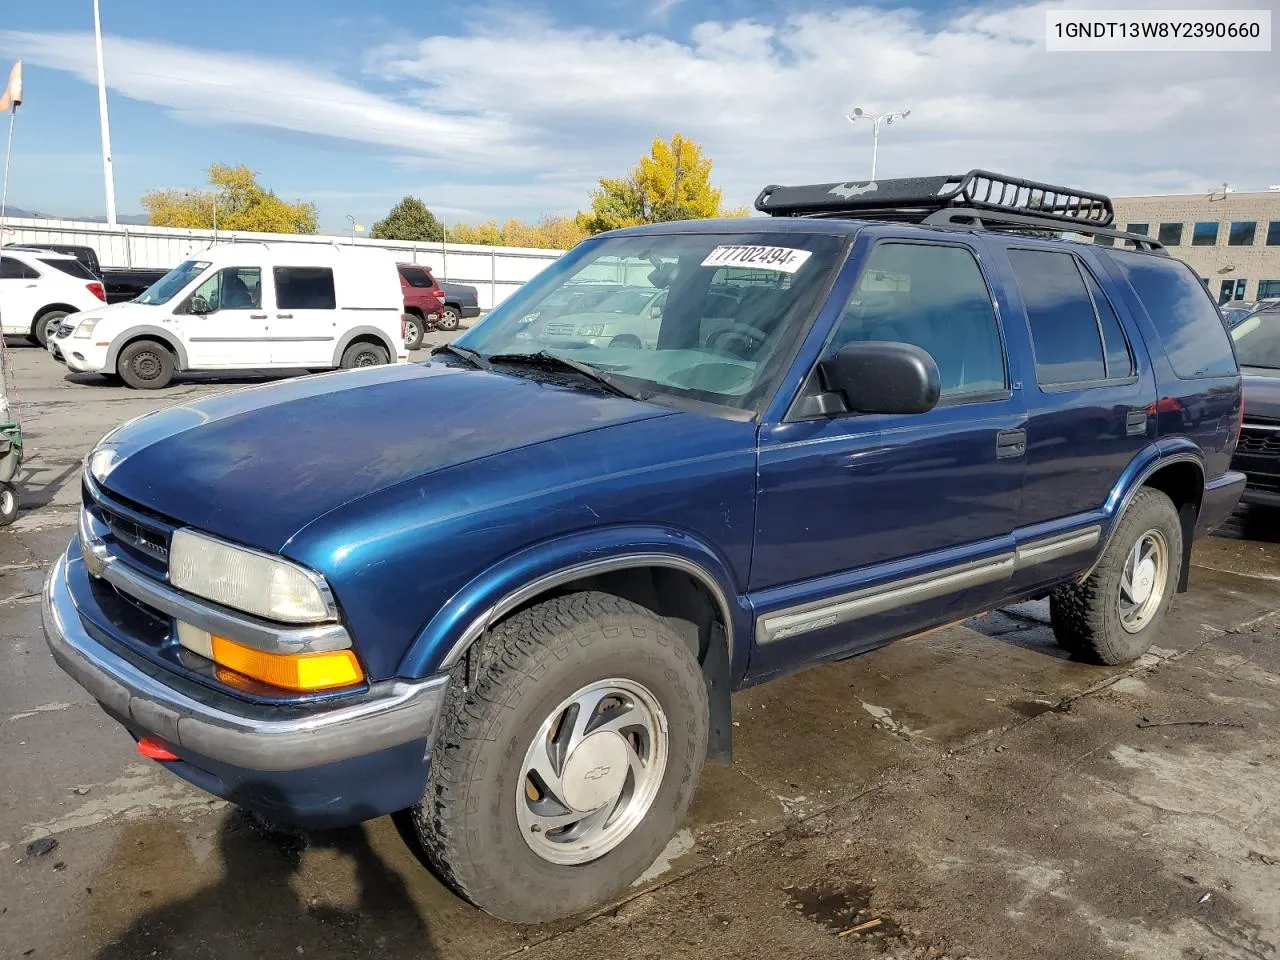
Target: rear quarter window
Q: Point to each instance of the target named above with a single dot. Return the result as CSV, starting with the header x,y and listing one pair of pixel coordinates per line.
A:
x,y
1184,315
72,268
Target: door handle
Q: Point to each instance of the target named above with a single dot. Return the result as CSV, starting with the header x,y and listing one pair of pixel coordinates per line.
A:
x,y
1010,443
257,316
284,316
1135,422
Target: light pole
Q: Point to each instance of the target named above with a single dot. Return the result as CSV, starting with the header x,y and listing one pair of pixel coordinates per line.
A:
x,y
857,113
107,175
355,227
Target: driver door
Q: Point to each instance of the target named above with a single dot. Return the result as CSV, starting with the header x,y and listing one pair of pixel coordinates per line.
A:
x,y
233,332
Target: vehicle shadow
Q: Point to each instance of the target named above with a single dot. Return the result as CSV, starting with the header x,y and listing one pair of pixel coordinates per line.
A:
x,y
38,484
255,910
238,377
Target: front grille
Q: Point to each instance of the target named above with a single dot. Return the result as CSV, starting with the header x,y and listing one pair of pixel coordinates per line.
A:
x,y
131,534
65,329
141,540
1256,440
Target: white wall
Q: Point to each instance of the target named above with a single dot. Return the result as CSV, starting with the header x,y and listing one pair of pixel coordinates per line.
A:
x,y
495,272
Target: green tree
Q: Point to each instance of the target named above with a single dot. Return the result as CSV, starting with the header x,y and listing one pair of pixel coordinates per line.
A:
x,y
237,202
673,182
409,220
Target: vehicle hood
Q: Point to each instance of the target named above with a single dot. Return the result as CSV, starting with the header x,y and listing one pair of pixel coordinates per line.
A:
x,y
258,464
1261,393
109,309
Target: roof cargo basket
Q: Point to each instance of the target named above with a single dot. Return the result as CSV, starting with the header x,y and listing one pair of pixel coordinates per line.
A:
x,y
977,199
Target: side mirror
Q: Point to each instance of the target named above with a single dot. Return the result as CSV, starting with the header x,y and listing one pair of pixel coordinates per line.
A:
x,y
199,305
883,377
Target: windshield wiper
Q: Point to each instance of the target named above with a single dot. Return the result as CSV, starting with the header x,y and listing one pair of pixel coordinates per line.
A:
x,y
472,357
550,360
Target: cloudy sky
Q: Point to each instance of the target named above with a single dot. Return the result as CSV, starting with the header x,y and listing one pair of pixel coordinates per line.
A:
x,y
516,108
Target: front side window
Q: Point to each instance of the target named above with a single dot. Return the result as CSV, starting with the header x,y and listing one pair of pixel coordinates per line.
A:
x,y
1065,332
305,288
173,282
1205,234
708,318
232,288
935,298
14,269
1183,313
1242,233
1170,234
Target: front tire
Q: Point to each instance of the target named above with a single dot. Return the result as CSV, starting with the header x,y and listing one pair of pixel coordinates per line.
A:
x,y
565,765
1114,616
145,365
364,355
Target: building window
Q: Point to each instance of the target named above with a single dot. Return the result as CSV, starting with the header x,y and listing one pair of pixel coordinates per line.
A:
x,y
1225,290
1273,234
1241,287
1267,289
1242,233
1170,234
1205,234
1142,228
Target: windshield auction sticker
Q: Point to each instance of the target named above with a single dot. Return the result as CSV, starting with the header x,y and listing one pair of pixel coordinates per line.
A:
x,y
782,259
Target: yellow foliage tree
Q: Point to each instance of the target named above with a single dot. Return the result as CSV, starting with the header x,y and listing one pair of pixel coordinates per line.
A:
x,y
549,233
673,182
238,202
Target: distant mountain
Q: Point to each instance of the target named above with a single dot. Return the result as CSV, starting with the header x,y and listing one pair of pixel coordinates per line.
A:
x,y
133,219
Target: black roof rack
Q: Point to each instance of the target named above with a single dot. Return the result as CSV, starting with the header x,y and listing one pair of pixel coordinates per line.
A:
x,y
978,199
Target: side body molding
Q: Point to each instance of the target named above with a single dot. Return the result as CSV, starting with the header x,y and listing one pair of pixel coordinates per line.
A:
x,y
541,567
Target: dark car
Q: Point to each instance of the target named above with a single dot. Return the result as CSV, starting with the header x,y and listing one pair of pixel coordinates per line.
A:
x,y
461,302
882,408
1258,452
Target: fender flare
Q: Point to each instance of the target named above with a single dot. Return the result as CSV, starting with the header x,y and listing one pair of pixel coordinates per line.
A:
x,y
345,341
154,333
502,587
1163,453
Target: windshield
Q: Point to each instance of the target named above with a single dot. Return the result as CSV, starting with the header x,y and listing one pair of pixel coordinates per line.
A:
x,y
1258,340
701,317
168,286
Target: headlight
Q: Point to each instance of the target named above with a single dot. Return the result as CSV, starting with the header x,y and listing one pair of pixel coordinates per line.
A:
x,y
85,330
254,582
592,330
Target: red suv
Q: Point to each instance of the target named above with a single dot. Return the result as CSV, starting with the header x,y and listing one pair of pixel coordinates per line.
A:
x,y
422,300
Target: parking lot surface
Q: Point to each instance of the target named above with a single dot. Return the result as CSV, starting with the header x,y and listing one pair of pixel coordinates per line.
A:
x,y
967,793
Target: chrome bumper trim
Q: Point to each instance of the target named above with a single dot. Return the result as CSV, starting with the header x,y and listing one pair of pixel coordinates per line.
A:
x,y
400,711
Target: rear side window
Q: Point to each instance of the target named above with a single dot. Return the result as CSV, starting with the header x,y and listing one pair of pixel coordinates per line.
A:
x,y
11,269
305,288
1182,312
1114,343
416,277
73,268
1064,330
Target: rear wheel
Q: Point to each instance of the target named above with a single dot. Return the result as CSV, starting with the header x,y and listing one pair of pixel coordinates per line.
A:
x,y
566,763
450,318
46,326
145,365
8,504
413,331
1115,615
364,355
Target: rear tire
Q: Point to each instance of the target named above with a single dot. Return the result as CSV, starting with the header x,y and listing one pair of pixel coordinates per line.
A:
x,y
544,686
450,318
8,503
364,355
47,325
414,328
1114,616
145,365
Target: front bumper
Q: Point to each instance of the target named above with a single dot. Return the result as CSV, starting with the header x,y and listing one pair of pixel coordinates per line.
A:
x,y
82,356
215,728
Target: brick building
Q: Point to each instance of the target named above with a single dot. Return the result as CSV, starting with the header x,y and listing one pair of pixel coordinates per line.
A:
x,y
1232,240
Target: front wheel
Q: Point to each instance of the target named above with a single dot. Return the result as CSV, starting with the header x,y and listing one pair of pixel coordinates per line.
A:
x,y
364,355
1115,614
145,365
565,765
8,504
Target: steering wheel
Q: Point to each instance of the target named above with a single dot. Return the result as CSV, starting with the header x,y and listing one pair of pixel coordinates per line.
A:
x,y
744,337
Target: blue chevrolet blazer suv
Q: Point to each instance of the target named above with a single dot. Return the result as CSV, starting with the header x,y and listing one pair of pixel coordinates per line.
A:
x,y
880,408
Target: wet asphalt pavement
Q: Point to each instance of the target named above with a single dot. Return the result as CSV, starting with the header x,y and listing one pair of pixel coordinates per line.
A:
x,y
967,793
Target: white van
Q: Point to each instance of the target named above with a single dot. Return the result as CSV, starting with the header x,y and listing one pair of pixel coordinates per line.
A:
x,y
246,305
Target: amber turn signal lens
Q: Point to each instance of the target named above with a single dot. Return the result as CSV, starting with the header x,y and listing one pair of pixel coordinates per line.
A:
x,y
298,671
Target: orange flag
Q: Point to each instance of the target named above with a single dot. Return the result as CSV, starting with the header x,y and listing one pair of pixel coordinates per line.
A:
x,y
12,95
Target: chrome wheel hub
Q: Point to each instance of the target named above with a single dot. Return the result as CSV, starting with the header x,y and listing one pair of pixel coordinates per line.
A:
x,y
592,771
1142,581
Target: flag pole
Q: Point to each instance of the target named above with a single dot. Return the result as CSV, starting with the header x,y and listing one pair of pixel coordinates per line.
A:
x,y
107,174
8,153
